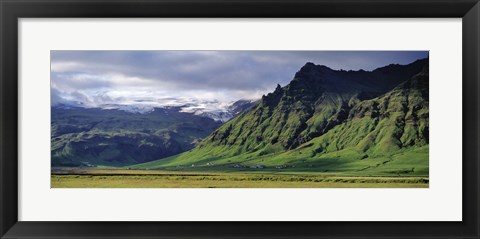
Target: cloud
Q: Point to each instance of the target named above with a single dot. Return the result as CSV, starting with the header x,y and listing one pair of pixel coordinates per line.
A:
x,y
96,77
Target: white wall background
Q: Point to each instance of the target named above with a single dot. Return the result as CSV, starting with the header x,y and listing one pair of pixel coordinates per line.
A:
x,y
441,202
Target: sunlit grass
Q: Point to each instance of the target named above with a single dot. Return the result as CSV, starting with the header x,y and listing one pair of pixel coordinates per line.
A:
x,y
153,179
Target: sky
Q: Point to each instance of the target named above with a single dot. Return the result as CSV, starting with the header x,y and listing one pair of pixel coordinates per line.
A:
x,y
160,78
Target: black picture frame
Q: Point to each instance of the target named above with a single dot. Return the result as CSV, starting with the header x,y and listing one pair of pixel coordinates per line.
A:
x,y
11,11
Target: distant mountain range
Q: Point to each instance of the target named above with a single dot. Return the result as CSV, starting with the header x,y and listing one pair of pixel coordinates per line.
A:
x,y
118,135
215,110
326,120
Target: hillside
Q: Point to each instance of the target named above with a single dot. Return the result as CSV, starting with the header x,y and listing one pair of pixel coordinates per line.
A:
x,y
324,120
94,136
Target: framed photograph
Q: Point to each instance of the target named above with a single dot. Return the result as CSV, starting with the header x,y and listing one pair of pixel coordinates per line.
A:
x,y
239,119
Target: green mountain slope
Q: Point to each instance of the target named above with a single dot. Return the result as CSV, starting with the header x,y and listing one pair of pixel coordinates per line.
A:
x,y
353,122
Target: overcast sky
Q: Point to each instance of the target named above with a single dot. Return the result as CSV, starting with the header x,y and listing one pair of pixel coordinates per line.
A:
x,y
128,77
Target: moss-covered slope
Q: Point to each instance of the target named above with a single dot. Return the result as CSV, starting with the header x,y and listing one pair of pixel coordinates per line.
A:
x,y
351,117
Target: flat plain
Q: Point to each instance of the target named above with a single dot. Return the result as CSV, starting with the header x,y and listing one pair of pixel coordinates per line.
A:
x,y
88,178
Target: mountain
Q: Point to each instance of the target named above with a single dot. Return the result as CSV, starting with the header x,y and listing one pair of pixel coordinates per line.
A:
x,y
113,137
118,135
216,110
241,106
327,120
231,111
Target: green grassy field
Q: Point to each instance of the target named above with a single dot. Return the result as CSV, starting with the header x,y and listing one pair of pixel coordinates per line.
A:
x,y
409,163
332,170
167,179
